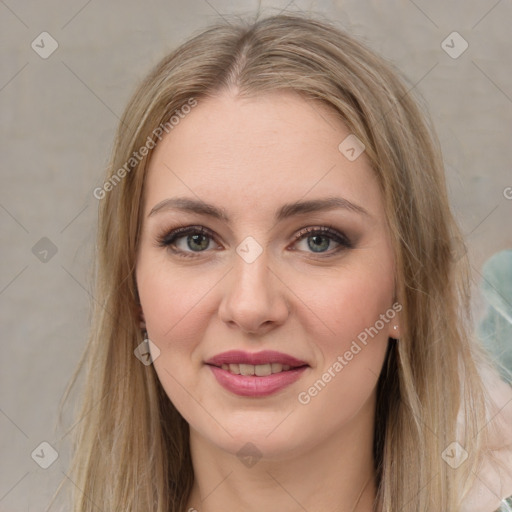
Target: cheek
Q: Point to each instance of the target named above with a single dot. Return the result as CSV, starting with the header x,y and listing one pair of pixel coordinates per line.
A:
x,y
175,310
348,315
342,305
351,351
173,303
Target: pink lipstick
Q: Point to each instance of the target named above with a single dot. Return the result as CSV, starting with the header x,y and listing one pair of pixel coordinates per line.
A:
x,y
256,374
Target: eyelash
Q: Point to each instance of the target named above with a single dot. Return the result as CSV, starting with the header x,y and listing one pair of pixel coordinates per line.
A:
x,y
169,238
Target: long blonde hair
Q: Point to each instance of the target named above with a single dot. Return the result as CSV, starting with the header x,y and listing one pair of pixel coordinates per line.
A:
x,y
131,449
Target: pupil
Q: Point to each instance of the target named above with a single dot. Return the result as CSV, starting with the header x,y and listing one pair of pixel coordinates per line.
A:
x,y
317,237
195,238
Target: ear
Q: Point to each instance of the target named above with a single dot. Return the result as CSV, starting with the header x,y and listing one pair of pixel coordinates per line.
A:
x,y
142,320
394,325
394,329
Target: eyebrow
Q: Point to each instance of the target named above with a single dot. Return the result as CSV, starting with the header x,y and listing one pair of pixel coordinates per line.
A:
x,y
286,211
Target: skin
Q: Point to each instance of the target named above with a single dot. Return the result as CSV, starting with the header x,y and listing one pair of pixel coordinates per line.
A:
x,y
250,157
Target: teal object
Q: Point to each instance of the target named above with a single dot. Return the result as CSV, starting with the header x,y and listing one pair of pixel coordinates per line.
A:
x,y
495,330
506,505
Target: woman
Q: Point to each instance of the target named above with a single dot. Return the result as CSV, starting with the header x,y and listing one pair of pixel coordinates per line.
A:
x,y
280,320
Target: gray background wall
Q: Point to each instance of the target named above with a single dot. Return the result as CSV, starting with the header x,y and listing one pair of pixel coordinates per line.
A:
x,y
58,117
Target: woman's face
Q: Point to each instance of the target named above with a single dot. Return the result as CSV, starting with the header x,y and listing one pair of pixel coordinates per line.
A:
x,y
275,268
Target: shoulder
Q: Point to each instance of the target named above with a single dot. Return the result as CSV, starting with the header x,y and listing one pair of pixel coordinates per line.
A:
x,y
493,482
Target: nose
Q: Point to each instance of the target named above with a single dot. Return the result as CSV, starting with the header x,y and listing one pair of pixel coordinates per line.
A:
x,y
254,297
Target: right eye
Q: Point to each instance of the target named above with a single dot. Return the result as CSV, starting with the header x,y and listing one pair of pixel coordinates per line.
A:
x,y
194,237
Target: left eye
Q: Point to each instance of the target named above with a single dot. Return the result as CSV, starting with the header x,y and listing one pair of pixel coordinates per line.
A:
x,y
191,240
318,239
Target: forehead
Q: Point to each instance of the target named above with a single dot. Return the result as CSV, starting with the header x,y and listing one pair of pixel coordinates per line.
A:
x,y
266,150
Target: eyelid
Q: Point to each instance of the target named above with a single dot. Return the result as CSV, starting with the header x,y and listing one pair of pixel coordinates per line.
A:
x,y
325,229
170,235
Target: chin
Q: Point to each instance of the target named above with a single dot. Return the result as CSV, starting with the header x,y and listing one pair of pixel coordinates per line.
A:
x,y
254,437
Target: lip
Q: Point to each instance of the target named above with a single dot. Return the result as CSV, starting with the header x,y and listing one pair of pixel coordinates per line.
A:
x,y
263,357
252,385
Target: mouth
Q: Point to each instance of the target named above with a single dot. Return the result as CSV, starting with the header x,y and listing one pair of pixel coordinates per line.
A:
x,y
252,384
260,364
257,374
259,370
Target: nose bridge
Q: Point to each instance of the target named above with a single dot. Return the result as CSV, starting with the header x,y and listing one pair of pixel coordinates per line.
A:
x,y
253,296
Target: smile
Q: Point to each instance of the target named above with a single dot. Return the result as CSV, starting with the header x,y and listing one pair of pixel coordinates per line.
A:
x,y
260,370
